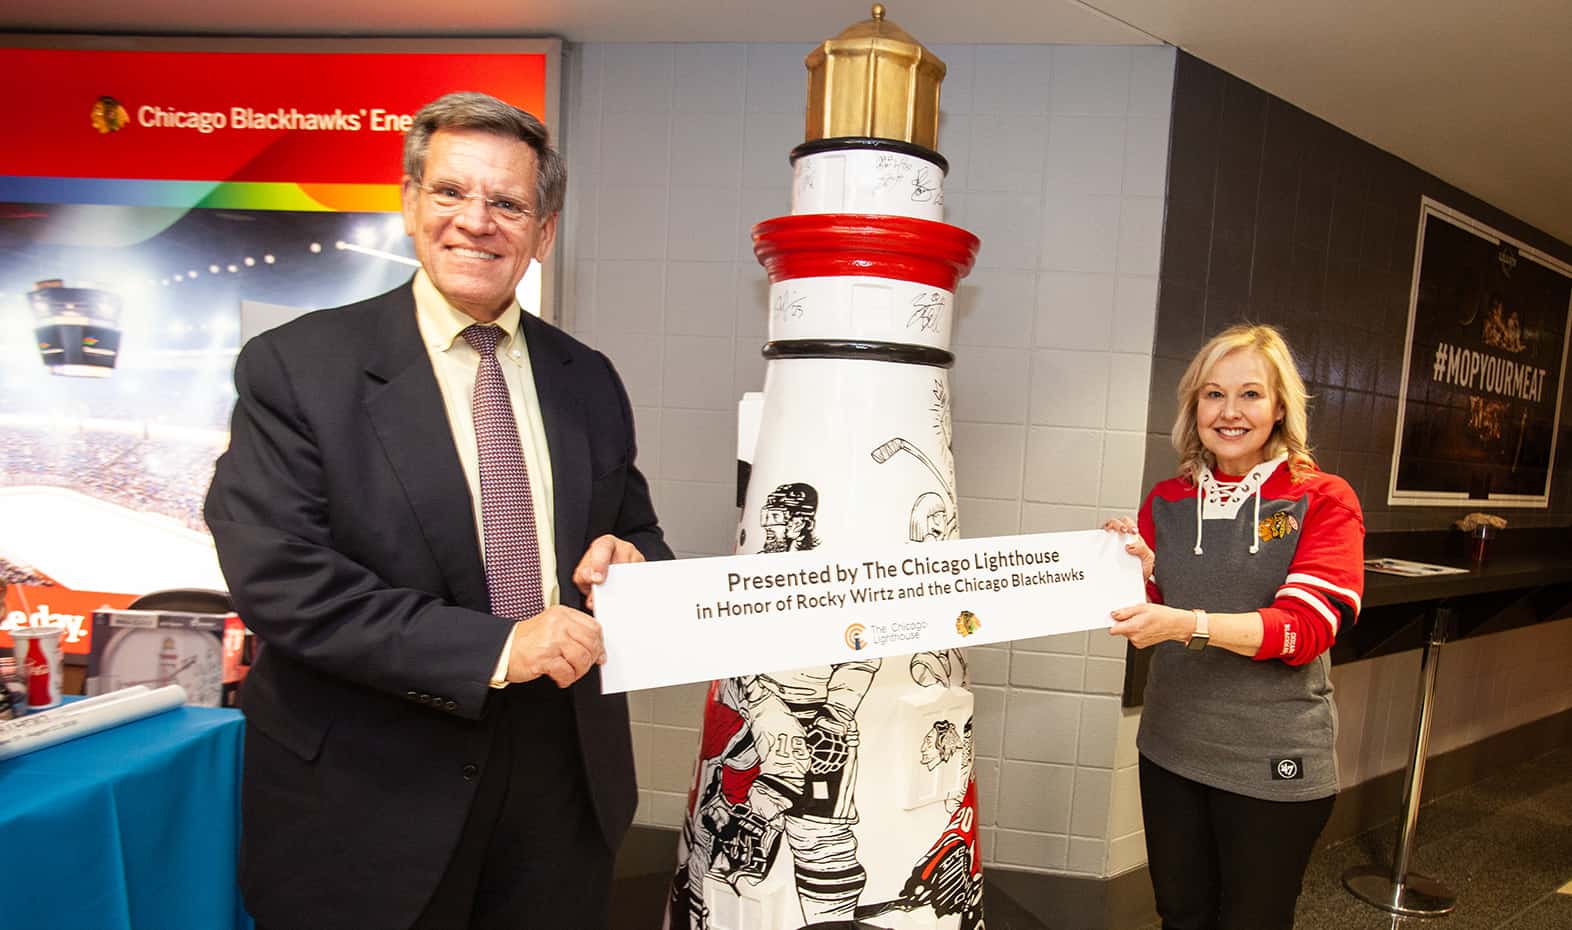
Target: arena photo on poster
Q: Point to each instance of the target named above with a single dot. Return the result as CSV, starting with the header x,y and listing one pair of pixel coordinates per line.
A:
x,y
120,330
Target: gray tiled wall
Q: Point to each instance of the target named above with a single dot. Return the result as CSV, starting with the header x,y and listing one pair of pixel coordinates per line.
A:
x,y
1276,216
1059,160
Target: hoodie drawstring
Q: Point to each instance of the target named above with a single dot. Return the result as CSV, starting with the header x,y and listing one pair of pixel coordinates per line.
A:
x,y
1208,487
1255,528
1200,507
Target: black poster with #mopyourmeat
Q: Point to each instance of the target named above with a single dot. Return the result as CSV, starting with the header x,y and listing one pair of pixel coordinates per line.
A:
x,y
1487,350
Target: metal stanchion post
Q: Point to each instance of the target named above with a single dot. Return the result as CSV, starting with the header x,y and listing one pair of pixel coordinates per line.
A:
x,y
1400,891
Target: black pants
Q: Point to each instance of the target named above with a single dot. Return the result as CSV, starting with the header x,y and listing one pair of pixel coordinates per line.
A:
x,y
531,855
1222,861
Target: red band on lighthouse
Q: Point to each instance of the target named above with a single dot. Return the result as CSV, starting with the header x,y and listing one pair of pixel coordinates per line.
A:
x,y
821,245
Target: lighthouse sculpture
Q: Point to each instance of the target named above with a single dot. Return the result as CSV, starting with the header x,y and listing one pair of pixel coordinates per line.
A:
x,y
843,794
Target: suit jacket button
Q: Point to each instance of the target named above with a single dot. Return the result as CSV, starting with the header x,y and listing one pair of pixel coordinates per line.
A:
x,y
425,699
470,771
450,706
413,695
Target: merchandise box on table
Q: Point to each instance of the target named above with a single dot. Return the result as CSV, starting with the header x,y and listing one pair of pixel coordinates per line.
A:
x,y
201,652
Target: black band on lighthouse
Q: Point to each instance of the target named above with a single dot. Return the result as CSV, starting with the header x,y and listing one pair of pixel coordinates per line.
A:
x,y
859,349
863,143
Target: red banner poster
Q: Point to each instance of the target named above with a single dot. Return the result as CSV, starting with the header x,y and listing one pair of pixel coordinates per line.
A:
x,y
160,200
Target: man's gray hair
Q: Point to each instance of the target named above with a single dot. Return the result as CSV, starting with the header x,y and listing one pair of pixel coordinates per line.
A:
x,y
471,110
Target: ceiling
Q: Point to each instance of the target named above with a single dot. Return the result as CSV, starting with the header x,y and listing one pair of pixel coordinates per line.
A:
x,y
1477,94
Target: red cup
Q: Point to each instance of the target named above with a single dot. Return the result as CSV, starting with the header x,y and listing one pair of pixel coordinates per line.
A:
x,y
1478,541
37,651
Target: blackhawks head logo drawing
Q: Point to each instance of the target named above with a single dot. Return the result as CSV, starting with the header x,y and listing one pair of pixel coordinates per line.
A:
x,y
109,116
966,623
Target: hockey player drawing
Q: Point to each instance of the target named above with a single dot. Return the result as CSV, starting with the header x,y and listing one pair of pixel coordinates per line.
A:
x,y
779,756
934,516
712,832
787,516
805,726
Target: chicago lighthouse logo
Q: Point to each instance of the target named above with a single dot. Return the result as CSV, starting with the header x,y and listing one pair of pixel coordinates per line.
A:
x,y
854,637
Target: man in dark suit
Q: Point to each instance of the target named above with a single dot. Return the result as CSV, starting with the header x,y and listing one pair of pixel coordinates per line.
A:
x,y
427,745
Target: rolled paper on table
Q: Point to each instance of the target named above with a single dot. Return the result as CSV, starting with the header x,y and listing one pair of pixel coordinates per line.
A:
x,y
47,718
84,717
87,703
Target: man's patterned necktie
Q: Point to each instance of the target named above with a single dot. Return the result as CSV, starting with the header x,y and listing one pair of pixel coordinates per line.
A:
x,y
507,512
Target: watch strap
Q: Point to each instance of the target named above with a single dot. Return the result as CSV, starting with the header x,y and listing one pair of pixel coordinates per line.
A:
x,y
1202,634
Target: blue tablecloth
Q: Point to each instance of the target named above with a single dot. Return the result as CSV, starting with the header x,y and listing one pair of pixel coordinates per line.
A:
x,y
131,828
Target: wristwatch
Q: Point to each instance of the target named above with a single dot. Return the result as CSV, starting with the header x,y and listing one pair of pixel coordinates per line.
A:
x,y
1201,636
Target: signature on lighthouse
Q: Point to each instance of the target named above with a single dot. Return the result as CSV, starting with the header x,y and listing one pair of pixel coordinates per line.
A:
x,y
787,305
927,311
806,175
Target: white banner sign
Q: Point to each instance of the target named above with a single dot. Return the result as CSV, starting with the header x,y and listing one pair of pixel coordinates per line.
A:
x,y
667,623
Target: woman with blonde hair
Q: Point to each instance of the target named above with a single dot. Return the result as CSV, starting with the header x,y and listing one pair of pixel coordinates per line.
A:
x,y
1254,561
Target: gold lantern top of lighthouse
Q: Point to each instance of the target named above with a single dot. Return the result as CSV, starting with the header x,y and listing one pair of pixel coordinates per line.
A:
x,y
874,80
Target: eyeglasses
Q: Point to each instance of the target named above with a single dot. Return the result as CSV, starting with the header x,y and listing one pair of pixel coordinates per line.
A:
x,y
450,198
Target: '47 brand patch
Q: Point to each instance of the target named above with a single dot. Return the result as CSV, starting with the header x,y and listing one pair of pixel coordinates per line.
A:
x,y
1286,769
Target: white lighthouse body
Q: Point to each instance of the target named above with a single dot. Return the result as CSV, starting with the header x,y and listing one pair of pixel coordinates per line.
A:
x,y
843,794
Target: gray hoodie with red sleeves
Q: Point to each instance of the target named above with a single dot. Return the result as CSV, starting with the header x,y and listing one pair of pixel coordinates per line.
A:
x,y
1264,727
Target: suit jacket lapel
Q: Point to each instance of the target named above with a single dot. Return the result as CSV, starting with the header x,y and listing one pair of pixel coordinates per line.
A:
x,y
567,437
404,406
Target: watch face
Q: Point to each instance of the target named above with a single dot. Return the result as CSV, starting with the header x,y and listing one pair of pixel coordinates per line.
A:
x,y
191,659
1197,642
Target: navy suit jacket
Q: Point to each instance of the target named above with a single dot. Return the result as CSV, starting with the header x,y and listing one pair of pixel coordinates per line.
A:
x,y
346,534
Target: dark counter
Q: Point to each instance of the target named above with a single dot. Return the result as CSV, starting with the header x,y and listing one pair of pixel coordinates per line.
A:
x,y
1526,578
1505,574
